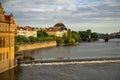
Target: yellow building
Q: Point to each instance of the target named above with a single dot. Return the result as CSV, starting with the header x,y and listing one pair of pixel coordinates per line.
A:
x,y
7,31
57,33
58,30
26,31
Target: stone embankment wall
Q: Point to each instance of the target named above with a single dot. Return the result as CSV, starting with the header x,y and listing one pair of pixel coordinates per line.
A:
x,y
24,47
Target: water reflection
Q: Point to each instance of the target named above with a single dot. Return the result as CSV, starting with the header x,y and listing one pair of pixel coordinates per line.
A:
x,y
10,74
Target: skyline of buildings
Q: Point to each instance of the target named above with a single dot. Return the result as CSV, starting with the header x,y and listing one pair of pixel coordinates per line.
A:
x,y
99,16
59,29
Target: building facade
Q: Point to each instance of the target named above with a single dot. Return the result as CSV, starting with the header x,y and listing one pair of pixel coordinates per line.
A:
x,y
58,30
26,31
7,31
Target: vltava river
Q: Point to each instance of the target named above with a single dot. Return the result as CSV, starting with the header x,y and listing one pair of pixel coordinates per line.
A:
x,y
85,50
98,49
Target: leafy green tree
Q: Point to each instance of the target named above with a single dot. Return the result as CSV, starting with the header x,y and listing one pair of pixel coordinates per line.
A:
x,y
76,36
45,34
22,39
42,34
71,41
37,39
94,35
60,40
32,39
65,37
84,35
69,34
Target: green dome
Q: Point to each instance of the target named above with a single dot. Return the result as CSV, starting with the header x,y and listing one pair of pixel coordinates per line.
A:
x,y
59,24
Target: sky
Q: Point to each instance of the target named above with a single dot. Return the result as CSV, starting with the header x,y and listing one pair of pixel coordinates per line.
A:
x,y
101,16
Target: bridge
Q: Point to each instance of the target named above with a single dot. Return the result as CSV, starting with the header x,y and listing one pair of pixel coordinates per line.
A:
x,y
107,38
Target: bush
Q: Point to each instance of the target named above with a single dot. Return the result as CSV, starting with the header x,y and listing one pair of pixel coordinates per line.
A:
x,y
32,39
71,41
60,40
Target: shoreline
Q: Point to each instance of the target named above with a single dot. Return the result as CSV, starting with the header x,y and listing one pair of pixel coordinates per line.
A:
x,y
26,47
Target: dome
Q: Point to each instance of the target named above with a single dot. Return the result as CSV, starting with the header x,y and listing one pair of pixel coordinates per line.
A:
x,y
59,24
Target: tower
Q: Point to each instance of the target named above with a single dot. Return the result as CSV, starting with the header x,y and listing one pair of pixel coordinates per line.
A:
x,y
7,32
1,9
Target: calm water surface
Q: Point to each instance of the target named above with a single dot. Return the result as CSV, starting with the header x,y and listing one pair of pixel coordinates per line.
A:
x,y
99,49
84,50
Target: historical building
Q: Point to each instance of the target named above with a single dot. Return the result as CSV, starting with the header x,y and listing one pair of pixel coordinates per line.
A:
x,y
7,31
58,30
60,26
26,31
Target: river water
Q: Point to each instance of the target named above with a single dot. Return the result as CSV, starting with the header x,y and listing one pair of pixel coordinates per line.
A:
x,y
98,49
85,50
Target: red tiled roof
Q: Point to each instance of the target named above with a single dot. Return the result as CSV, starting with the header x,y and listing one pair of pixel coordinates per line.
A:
x,y
24,28
53,30
7,18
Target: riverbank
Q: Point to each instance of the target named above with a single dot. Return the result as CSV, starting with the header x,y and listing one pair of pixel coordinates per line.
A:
x,y
25,47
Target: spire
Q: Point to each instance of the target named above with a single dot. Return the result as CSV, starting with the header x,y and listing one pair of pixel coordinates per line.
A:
x,y
1,9
1,6
11,14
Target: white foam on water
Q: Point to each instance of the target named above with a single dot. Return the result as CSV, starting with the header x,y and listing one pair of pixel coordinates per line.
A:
x,y
64,63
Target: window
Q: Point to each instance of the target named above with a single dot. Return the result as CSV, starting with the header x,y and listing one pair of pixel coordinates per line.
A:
x,y
7,28
7,55
0,28
0,41
3,41
12,40
0,56
3,56
7,41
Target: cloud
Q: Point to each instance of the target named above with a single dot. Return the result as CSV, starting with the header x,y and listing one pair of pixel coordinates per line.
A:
x,y
70,11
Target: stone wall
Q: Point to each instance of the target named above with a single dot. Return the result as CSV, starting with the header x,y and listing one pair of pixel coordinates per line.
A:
x,y
24,47
6,65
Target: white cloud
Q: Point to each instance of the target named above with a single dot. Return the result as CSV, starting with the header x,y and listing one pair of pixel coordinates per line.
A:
x,y
69,11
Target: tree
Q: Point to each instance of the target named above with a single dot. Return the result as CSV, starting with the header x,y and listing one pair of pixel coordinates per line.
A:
x,y
60,40
42,34
94,35
84,35
45,34
32,39
65,37
22,39
76,36
71,41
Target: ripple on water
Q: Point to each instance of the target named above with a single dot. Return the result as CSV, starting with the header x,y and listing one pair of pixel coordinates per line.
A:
x,y
103,71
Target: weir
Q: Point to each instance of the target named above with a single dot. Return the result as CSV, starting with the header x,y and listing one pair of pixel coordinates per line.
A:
x,y
68,61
